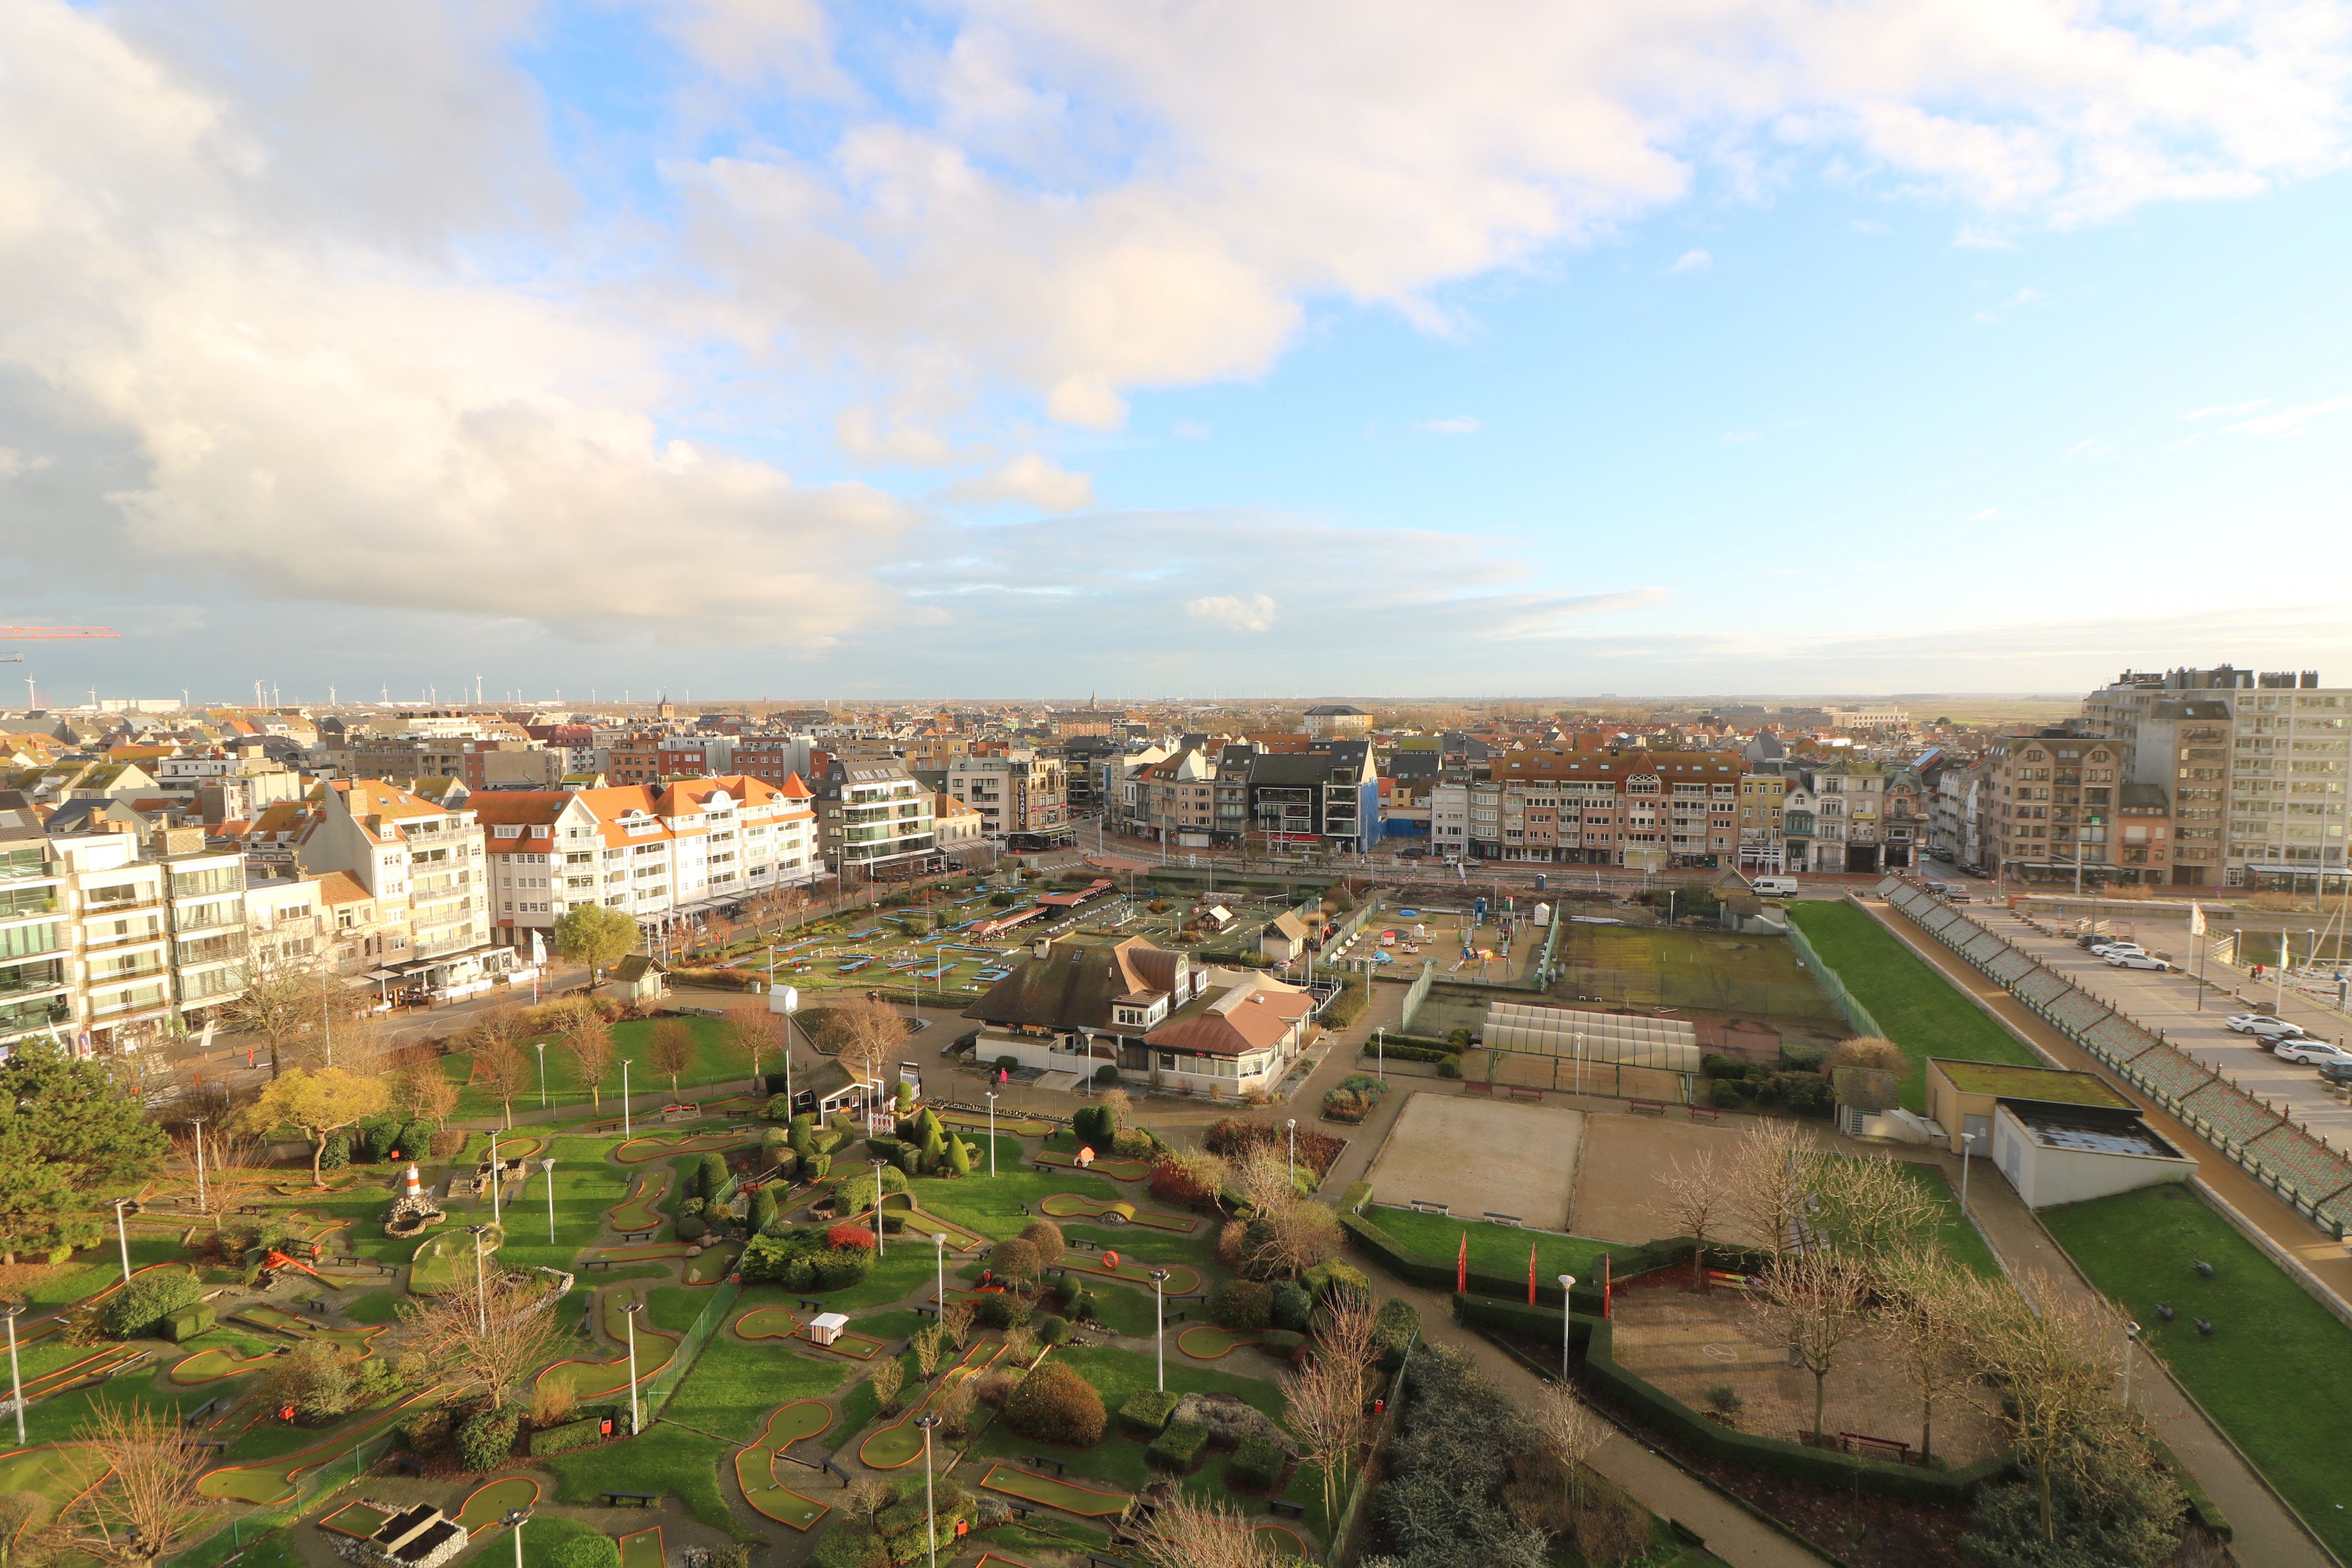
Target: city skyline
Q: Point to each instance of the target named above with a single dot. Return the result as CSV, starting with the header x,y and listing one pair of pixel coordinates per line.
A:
x,y
735,348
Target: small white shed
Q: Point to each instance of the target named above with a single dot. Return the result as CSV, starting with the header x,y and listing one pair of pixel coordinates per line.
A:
x,y
826,1327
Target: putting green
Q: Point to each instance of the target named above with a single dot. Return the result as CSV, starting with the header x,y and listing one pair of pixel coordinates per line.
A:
x,y
857,1347
57,1472
272,1481
900,1444
1087,1502
358,1519
931,1225
768,1323
637,1211
481,1512
1019,1126
301,1327
1182,1279
637,1151
1077,1205
1206,1341
103,1364
709,1265
988,1557
445,1262
1116,1170
643,1549
755,1467
1284,1539
655,1347
650,1252
212,1365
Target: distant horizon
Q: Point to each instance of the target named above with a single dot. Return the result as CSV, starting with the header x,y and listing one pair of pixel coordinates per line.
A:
x,y
1082,703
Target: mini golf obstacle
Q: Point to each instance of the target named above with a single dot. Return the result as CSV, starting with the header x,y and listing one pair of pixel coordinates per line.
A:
x,y
598,1379
1018,1126
646,1252
1115,1211
964,1238
216,1363
1206,1341
92,1368
637,1151
487,1505
644,1548
295,1326
637,1211
1049,1491
768,1323
267,1482
359,1520
710,1265
1183,1279
857,1347
1116,1170
900,1444
755,1467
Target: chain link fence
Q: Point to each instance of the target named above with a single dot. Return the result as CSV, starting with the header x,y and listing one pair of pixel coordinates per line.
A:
x,y
311,1490
681,1362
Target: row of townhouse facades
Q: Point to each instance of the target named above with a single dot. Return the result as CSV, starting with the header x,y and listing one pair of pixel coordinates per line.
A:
x,y
1317,794
1642,809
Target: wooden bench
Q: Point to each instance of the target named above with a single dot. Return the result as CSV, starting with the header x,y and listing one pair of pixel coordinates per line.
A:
x,y
1704,1113
1285,1507
810,1306
1647,1107
1040,1462
597,1262
1875,1448
1520,1092
643,1233
251,1208
642,1500
1478,1086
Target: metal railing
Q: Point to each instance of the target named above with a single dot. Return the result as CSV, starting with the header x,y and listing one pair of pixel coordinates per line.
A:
x,y
1830,982
226,1544
681,1362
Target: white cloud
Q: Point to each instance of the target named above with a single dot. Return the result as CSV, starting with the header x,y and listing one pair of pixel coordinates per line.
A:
x,y
1990,514
1191,430
1454,424
1254,613
1692,262
2292,421
13,462
865,437
1036,480
2024,297
1740,438
2225,410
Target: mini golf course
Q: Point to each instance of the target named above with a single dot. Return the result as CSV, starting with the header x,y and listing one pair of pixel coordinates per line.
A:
x,y
709,1265
1018,1126
637,1211
1088,1502
214,1364
110,1290
643,1549
1077,1205
857,1347
1284,1539
446,1261
55,1472
1206,1341
900,1444
755,1467
272,1481
1116,1170
655,1347
482,1511
959,1237
1182,1279
637,1151
295,1326
357,1519
103,1364
649,1252
768,1323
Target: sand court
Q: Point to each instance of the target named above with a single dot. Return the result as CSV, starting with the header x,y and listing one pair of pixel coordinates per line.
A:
x,y
1482,1156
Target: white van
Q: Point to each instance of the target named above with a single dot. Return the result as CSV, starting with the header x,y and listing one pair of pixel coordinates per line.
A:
x,y
1776,887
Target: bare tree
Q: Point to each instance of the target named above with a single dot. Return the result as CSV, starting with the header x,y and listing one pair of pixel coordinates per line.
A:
x,y
1346,1336
2051,1352
750,1032
1770,1179
424,1093
1327,1418
1871,1205
1292,1237
1818,1299
870,1033
149,1504
671,1050
1568,1430
499,1026
1261,1178
887,1378
1188,1533
588,1041
499,1068
1693,1198
492,1343
282,1001
1207,1172
959,1319
1937,1308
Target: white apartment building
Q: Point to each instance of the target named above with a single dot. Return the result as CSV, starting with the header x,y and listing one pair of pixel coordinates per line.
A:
x,y
1024,799
422,864
694,845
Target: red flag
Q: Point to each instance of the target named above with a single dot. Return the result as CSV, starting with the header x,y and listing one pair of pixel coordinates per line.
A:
x,y
1532,1274
1461,1267
1608,1275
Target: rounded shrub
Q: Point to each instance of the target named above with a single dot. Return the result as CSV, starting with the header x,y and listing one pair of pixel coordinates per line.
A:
x,y
1016,1259
846,1238
692,1228
839,1269
1290,1307
1054,1405
1001,1310
1052,1330
138,1310
593,1550
1724,1093
1045,1238
1244,1306
487,1438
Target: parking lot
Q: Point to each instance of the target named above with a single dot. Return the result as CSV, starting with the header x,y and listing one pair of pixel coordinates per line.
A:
x,y
2168,1002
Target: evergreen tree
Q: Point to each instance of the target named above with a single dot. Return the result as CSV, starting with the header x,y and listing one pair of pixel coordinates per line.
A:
x,y
67,1137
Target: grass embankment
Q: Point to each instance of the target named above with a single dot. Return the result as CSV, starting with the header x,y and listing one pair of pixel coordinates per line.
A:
x,y
714,1067
1922,1012
2277,1373
1496,1248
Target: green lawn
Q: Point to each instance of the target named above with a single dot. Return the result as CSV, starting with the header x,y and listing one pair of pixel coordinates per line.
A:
x,y
1959,1238
1650,966
713,1065
1918,1008
1497,1249
2277,1373
666,1458
735,1383
97,1268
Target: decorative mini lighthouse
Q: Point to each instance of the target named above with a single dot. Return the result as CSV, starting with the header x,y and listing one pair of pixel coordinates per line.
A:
x,y
411,1186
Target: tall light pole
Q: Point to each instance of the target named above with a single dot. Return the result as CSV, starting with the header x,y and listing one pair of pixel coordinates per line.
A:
x,y
496,1171
122,1239
2131,1335
1567,1318
992,1132
792,1005
625,1132
629,1312
939,1242
877,1210
481,1280
16,1374
1292,1162
1160,1322
540,1046
1381,1053
513,1521
546,1169
930,1514
203,1204
1967,1146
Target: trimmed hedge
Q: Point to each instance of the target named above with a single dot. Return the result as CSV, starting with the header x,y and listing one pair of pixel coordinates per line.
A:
x,y
138,1308
1178,1448
1256,1465
562,1438
188,1323
1410,1051
1148,1412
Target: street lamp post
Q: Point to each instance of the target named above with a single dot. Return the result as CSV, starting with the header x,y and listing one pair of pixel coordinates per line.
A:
x,y
1567,1317
992,1132
1381,1053
939,1242
16,1374
540,1046
629,1317
481,1280
496,1171
1292,1123
122,1239
546,1169
1968,1147
627,1132
513,1521
877,1210
1159,1322
930,1514
792,1006
2131,1336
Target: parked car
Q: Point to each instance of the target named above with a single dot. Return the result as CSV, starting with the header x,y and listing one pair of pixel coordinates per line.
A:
x,y
1775,887
2120,960
1934,886
2262,1023
2318,1053
2336,1072
2108,949
1956,894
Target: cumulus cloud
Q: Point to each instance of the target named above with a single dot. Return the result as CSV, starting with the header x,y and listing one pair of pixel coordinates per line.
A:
x,y
1692,262
1254,613
1035,480
2292,421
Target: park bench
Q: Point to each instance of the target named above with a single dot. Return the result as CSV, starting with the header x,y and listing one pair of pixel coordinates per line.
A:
x,y
1041,1462
1704,1113
1518,1091
1081,1241
1285,1507
1478,1086
1875,1448
1647,1107
808,1305
642,1500
197,1416
641,1233
597,1262
1180,1314
251,1208
926,1309
1515,1221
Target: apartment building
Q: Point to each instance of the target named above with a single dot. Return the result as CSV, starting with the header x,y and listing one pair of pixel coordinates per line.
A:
x,y
36,981
1023,798
1642,809
1834,818
420,865
873,820
1175,800
1761,796
1338,721
1323,796
2053,799
692,845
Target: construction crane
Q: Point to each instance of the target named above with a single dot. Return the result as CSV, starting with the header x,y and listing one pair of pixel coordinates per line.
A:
x,y
47,634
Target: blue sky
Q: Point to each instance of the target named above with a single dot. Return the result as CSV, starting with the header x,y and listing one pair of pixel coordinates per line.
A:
x,y
1026,347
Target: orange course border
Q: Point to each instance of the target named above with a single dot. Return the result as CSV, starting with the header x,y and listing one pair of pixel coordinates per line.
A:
x,y
608,1307
1232,1341
1043,1490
